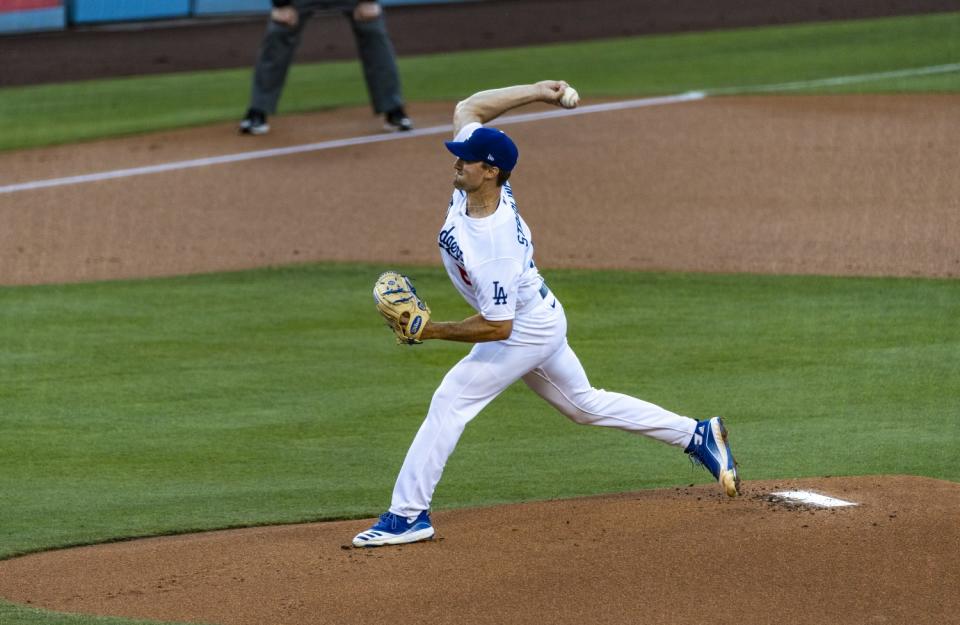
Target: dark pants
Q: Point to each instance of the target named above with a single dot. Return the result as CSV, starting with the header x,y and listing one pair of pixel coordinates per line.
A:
x,y
280,42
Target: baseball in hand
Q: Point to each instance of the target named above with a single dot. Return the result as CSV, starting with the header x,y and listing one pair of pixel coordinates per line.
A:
x,y
569,98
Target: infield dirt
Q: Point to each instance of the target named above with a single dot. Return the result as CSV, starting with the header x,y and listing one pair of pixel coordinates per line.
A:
x,y
830,185
684,555
856,185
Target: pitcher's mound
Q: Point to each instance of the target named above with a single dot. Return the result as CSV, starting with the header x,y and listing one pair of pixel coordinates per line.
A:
x,y
686,555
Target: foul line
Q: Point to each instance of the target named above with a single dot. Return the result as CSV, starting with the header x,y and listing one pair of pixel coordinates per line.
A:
x,y
329,145
447,128
837,80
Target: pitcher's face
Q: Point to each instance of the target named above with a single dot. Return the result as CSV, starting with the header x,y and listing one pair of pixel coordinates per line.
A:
x,y
470,175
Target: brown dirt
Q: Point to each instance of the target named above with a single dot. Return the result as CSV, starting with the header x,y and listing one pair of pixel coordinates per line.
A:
x,y
685,555
860,185
829,185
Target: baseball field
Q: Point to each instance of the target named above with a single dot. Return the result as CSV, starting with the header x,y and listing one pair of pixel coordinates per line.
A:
x,y
200,407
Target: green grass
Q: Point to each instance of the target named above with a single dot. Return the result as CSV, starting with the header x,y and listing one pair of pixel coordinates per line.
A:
x,y
49,114
11,614
167,406
142,408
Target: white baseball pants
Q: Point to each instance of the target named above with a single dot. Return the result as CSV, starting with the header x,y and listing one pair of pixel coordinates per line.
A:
x,y
537,352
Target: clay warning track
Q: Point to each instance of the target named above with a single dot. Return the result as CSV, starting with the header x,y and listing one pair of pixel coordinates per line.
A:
x,y
684,555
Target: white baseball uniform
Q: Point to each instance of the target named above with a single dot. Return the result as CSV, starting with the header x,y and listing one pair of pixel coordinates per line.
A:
x,y
490,262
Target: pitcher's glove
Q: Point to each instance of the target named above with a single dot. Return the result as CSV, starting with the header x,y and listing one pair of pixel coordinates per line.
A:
x,y
398,302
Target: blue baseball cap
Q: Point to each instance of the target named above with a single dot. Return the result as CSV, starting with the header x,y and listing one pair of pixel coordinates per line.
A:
x,y
490,145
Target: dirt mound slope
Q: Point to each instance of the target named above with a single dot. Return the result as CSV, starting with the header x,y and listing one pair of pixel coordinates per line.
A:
x,y
684,555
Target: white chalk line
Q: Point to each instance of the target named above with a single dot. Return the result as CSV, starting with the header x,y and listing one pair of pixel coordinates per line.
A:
x,y
203,162
447,128
837,80
329,145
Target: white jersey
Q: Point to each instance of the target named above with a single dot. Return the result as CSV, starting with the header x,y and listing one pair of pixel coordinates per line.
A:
x,y
490,262
490,259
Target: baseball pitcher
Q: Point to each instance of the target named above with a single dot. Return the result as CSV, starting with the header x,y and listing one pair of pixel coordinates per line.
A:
x,y
519,331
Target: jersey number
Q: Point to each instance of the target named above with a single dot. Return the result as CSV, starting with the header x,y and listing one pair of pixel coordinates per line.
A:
x,y
499,294
464,277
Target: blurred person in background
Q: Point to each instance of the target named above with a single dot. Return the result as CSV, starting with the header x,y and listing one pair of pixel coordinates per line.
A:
x,y
282,38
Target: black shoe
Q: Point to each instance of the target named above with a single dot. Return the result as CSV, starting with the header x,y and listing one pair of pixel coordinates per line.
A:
x,y
397,120
255,123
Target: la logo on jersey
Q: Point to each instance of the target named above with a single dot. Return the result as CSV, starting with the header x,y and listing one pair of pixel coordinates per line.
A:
x,y
499,294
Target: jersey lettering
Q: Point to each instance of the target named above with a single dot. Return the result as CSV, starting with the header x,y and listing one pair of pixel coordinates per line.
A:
x,y
499,293
448,243
521,238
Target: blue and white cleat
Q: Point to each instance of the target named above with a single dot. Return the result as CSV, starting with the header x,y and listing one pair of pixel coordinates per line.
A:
x,y
710,448
393,529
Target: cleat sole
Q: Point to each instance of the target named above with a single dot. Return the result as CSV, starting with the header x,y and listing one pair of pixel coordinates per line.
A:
x,y
730,483
401,539
729,478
